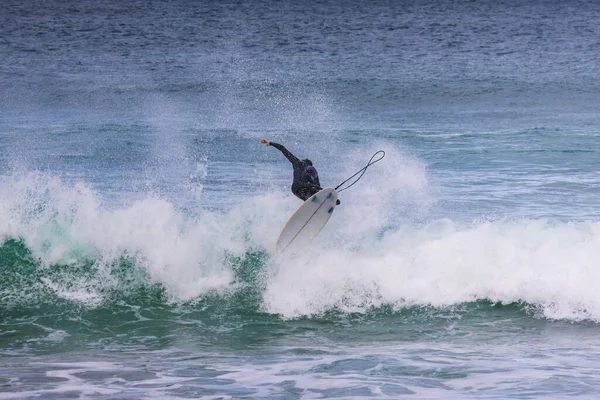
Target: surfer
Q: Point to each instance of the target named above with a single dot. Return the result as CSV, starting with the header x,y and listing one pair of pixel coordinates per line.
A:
x,y
306,179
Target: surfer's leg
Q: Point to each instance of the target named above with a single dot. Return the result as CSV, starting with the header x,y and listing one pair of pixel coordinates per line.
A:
x,y
299,191
311,189
306,191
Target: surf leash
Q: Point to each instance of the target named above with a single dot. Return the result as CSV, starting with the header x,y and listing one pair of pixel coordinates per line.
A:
x,y
361,171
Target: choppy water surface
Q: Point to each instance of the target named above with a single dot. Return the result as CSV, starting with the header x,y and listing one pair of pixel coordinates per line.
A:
x,y
139,212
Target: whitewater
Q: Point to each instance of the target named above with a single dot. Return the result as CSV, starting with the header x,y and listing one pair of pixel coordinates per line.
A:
x,y
370,261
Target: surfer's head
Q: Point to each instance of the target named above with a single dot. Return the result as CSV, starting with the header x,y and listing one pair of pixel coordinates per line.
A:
x,y
307,161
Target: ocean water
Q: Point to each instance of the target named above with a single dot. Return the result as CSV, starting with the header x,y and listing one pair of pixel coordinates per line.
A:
x,y
139,212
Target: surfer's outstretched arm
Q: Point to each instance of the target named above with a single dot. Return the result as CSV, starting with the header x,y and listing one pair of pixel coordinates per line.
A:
x,y
293,159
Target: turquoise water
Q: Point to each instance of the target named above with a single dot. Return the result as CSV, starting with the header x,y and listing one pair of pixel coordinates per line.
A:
x,y
139,212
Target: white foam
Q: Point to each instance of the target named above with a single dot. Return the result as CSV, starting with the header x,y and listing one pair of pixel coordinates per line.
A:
x,y
443,264
63,225
112,385
371,253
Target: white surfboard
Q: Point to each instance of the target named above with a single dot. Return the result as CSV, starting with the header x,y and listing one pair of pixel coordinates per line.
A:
x,y
307,221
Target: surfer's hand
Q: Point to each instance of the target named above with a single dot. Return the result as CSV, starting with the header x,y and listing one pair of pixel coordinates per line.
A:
x,y
337,203
265,141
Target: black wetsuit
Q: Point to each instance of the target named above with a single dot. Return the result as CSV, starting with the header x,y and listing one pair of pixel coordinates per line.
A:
x,y
306,180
